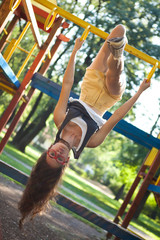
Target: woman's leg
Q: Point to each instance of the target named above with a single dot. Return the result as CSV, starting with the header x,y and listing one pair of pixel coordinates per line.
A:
x,y
105,62
114,83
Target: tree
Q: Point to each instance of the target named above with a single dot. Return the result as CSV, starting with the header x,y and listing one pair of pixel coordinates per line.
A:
x,y
22,130
35,127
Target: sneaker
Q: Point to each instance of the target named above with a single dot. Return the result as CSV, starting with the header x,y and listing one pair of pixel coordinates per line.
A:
x,y
116,46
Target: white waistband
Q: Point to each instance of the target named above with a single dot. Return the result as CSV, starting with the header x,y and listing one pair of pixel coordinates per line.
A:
x,y
98,119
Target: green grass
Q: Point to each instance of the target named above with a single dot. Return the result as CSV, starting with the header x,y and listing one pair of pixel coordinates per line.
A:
x,y
77,184
29,158
80,186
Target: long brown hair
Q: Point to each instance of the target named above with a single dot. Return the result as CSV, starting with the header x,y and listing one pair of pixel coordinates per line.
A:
x,y
41,186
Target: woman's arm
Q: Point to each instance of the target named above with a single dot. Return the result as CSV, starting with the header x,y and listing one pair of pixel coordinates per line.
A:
x,y
68,80
100,135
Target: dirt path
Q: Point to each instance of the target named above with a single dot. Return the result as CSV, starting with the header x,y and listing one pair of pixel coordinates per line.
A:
x,y
53,225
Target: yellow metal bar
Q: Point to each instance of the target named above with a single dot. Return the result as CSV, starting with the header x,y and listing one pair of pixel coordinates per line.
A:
x,y
97,31
120,219
152,72
140,236
9,48
158,180
13,7
151,155
35,3
17,42
140,176
6,88
85,33
48,24
5,31
22,49
49,54
26,60
10,91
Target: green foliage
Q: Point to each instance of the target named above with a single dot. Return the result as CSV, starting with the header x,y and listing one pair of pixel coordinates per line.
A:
x,y
151,206
5,99
77,169
115,162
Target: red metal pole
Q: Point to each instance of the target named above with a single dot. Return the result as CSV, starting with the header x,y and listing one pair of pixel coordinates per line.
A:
x,y
26,79
5,14
29,75
15,120
45,66
147,180
127,198
9,31
144,186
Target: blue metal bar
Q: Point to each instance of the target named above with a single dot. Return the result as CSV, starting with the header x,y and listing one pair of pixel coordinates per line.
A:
x,y
154,188
9,74
130,131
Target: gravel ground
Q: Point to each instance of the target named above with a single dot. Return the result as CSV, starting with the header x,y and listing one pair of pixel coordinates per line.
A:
x,y
53,225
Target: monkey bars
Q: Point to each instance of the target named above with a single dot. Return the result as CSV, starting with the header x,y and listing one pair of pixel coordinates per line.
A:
x,y
30,17
96,31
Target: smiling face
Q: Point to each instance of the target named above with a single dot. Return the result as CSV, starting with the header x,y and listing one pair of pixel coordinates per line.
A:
x,y
57,155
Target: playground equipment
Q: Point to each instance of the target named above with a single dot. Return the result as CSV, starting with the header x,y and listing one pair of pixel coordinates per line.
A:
x,y
18,94
146,175
37,14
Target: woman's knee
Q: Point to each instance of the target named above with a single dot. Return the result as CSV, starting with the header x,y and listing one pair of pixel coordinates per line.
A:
x,y
120,28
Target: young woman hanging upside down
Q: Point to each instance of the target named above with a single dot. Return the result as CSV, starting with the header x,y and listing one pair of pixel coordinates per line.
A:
x,y
80,122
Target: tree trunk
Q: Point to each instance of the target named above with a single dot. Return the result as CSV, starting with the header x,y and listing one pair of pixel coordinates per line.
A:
x,y
154,213
12,115
1,92
120,192
35,127
21,131
155,124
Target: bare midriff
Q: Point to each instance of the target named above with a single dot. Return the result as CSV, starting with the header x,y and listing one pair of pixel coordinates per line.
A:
x,y
73,131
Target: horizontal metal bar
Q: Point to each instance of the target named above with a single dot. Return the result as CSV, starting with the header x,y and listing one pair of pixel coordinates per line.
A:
x,y
130,131
7,89
98,32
